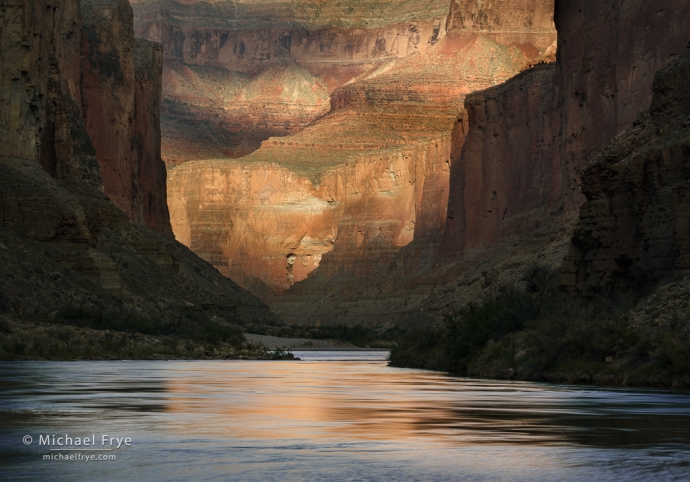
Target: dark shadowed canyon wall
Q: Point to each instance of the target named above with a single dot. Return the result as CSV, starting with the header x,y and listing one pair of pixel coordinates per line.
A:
x,y
529,138
634,228
80,173
112,89
82,56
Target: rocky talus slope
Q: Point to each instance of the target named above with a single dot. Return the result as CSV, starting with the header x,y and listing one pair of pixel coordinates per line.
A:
x,y
79,162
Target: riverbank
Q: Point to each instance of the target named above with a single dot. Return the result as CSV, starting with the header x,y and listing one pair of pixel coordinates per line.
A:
x,y
38,340
534,332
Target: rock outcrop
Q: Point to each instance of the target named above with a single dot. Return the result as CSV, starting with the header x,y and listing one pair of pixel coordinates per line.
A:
x,y
514,190
634,227
507,179
63,241
529,138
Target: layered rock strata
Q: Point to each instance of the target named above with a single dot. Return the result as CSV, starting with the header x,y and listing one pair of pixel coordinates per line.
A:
x,y
238,73
210,112
111,86
358,184
63,242
634,226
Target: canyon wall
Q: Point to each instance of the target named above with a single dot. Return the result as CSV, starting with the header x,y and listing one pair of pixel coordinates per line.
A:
x,y
529,25
249,36
507,179
514,189
530,138
63,242
111,87
351,189
81,84
634,230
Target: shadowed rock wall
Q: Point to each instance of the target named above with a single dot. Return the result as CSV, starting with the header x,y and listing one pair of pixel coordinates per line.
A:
x,y
530,137
634,227
518,174
63,243
111,86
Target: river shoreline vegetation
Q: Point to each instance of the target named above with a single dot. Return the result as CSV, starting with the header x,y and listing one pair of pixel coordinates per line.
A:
x,y
74,333
533,331
77,334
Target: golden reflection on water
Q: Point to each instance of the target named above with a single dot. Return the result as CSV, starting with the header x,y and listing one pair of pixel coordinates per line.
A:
x,y
331,400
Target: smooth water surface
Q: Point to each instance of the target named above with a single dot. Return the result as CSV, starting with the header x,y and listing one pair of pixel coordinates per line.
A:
x,y
332,416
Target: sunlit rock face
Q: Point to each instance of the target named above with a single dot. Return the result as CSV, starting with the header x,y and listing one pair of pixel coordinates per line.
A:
x,y
518,173
237,73
348,191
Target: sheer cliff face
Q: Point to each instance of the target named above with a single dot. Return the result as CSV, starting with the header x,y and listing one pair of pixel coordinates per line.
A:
x,y
507,179
608,54
40,103
120,95
529,138
70,102
634,227
79,120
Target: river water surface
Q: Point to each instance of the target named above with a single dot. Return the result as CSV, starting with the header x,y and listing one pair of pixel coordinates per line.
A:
x,y
333,416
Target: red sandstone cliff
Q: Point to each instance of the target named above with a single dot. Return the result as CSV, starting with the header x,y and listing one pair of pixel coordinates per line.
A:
x,y
518,175
530,137
111,87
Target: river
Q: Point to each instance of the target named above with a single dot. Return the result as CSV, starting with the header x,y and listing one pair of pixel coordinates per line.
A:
x,y
332,416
